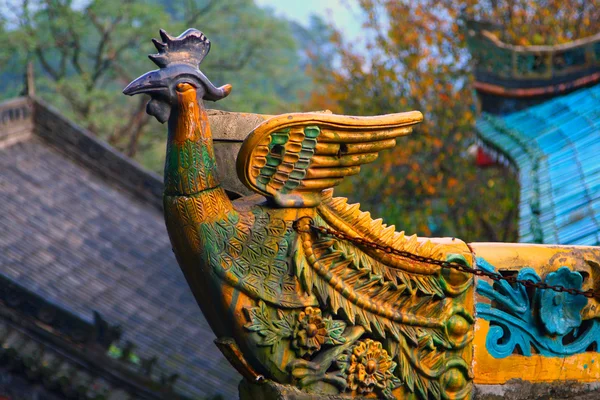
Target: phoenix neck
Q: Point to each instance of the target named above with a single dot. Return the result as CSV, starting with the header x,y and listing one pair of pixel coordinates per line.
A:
x,y
190,165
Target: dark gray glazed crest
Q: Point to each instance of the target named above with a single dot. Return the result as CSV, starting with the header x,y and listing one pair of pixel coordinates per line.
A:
x,y
188,48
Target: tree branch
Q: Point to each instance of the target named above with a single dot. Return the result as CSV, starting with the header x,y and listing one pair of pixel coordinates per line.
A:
x,y
239,64
195,15
59,40
45,64
100,63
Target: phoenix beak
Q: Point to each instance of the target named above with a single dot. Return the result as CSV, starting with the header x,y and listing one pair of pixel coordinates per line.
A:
x,y
147,83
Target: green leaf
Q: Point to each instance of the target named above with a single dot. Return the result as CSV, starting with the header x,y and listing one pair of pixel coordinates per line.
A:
x,y
114,351
286,323
272,330
335,330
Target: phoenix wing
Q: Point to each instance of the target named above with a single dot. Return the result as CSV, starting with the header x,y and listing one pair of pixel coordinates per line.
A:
x,y
292,158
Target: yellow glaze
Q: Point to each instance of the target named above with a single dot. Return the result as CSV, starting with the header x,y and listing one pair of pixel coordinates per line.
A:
x,y
584,367
488,370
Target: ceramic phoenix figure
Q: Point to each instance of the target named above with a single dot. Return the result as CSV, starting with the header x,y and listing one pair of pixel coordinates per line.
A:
x,y
287,302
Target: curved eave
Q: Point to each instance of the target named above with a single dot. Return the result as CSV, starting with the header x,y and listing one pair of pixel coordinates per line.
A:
x,y
495,41
548,90
526,158
555,148
507,70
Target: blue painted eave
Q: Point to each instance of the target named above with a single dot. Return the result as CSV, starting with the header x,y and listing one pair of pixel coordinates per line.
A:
x,y
556,148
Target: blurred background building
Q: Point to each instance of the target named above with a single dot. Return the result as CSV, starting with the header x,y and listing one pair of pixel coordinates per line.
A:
x,y
541,116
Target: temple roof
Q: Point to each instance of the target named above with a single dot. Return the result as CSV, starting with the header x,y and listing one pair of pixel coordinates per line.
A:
x,y
49,353
82,226
556,148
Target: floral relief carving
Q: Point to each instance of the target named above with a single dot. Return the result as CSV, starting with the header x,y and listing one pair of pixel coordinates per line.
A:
x,y
310,332
307,329
369,368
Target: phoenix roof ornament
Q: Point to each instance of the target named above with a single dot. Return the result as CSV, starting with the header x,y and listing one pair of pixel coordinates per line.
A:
x,y
303,307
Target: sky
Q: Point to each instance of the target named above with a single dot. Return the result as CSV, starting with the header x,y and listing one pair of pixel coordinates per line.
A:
x,y
343,13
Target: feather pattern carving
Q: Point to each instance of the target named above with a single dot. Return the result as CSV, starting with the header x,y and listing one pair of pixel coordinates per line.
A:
x,y
291,158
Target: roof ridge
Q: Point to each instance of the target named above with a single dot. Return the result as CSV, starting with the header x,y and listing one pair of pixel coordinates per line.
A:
x,y
45,121
21,117
496,41
565,98
95,154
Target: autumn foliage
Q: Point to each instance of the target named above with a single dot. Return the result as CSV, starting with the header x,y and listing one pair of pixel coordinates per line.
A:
x,y
414,56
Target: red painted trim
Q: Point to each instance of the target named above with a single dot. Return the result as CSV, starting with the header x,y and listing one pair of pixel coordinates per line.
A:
x,y
483,159
541,91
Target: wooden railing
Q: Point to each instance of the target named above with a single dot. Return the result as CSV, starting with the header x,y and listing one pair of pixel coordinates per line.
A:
x,y
15,120
15,110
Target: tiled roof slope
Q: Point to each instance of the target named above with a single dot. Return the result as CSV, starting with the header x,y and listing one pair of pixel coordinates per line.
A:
x,y
81,225
556,148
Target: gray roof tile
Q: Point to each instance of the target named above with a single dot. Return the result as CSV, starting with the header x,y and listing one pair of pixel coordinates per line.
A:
x,y
79,238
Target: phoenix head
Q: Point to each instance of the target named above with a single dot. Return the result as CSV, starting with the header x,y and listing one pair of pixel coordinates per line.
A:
x,y
178,59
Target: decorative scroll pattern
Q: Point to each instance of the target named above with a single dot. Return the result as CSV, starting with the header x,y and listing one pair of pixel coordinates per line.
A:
x,y
536,321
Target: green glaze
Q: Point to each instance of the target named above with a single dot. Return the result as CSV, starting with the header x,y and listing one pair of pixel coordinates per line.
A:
x,y
190,167
297,164
295,306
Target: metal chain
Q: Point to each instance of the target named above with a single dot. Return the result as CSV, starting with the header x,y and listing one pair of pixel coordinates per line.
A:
x,y
442,264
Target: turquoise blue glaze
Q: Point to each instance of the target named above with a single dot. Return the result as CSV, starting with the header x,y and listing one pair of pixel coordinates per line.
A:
x,y
555,147
536,322
561,312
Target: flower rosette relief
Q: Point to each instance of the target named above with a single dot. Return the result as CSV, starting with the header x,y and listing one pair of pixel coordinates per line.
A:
x,y
560,312
310,332
368,367
307,330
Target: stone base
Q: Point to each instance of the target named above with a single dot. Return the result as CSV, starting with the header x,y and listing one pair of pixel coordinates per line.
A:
x,y
514,390
268,390
523,390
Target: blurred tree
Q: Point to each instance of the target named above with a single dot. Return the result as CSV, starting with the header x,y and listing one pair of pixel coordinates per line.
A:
x,y
415,57
318,54
85,52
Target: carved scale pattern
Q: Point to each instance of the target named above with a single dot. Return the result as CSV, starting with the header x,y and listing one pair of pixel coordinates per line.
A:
x,y
189,168
283,158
